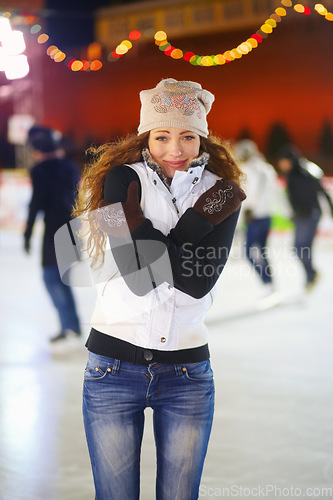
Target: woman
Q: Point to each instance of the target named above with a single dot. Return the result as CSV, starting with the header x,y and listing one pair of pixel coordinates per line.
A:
x,y
161,227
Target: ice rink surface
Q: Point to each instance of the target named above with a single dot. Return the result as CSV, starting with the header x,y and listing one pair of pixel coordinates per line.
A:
x,y
273,430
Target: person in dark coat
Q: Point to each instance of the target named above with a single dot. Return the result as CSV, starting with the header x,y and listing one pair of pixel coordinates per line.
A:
x,y
54,181
304,188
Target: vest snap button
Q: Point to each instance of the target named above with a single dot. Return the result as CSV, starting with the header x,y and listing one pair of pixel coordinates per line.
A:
x,y
163,340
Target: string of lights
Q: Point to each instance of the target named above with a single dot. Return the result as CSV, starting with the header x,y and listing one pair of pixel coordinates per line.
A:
x,y
244,47
94,62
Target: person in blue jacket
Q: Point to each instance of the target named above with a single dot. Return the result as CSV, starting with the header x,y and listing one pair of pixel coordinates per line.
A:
x,y
161,209
54,186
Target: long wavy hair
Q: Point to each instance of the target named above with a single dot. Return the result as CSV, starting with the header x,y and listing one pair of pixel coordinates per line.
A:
x,y
129,150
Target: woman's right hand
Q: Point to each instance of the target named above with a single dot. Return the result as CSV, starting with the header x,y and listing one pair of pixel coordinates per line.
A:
x,y
121,219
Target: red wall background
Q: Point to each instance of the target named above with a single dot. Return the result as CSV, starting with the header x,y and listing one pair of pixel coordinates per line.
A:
x,y
287,79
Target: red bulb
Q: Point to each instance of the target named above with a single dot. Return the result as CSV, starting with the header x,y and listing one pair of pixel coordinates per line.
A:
x,y
257,37
188,55
134,35
168,51
115,55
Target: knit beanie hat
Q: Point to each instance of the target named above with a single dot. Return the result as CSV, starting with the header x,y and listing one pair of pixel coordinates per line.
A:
x,y
245,149
290,152
175,104
44,139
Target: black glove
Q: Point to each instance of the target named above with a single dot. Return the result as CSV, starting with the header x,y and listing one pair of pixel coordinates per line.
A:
x,y
220,201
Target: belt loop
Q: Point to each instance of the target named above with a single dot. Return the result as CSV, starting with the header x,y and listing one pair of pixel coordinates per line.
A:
x,y
116,366
178,370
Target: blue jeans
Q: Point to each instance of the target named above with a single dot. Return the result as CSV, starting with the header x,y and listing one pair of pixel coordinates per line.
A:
x,y
255,247
62,298
305,232
115,395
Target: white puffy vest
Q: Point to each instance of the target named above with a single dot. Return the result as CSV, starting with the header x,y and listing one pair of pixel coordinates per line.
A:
x,y
165,318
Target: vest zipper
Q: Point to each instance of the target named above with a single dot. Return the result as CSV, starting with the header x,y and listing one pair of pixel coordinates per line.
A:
x,y
175,205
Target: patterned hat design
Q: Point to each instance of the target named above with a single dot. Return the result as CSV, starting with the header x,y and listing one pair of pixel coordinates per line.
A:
x,y
185,105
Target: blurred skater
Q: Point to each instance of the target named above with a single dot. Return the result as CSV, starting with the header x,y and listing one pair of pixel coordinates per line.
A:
x,y
303,188
54,182
260,188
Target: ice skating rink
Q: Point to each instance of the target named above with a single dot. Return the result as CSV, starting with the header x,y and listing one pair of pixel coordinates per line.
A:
x,y
273,361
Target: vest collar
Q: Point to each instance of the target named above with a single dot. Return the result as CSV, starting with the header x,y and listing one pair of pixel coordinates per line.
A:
x,y
192,174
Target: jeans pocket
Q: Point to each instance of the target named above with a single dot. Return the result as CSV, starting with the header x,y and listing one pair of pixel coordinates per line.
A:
x,y
199,372
96,372
97,367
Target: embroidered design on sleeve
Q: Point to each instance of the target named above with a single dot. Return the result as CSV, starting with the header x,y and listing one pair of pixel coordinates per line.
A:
x,y
218,200
111,216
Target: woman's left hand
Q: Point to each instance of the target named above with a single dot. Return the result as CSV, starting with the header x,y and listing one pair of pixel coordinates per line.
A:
x,y
220,201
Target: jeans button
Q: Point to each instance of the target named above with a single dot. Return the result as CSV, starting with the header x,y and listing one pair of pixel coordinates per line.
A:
x,y
148,355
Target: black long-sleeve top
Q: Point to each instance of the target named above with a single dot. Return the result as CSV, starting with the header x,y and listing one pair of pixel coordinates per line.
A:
x,y
194,244
303,191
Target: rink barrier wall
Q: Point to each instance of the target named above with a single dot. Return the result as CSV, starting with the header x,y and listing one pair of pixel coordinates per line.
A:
x,y
15,194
